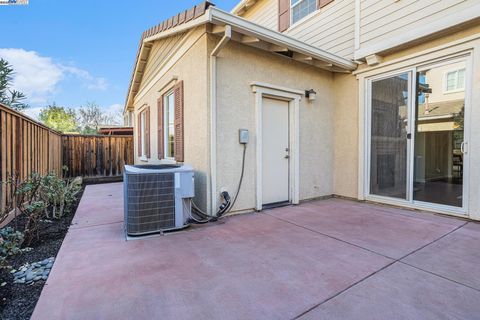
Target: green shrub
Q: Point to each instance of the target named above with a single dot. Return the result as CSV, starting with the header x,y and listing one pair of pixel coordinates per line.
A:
x,y
10,242
58,194
45,196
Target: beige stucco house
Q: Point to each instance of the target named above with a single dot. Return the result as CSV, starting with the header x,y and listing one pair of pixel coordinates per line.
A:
x,y
370,100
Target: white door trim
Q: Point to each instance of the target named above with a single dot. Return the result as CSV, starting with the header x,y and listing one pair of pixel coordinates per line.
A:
x,y
293,97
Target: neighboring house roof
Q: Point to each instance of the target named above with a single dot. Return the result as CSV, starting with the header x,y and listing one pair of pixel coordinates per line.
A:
x,y
244,31
447,109
436,110
115,130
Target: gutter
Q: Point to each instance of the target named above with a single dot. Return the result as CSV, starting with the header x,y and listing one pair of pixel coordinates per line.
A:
x,y
213,117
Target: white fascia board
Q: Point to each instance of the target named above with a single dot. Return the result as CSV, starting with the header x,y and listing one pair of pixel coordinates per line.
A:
x,y
249,28
421,32
238,7
128,105
243,4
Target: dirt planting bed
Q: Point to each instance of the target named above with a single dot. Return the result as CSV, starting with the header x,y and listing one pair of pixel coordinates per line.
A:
x,y
18,300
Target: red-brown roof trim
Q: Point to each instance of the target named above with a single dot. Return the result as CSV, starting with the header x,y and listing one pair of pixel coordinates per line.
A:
x,y
178,19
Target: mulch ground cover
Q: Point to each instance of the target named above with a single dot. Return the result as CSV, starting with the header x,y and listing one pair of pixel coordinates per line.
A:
x,y
17,301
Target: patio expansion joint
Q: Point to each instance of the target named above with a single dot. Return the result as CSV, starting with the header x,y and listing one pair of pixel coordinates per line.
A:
x,y
433,273
74,227
435,240
332,237
440,276
371,251
344,290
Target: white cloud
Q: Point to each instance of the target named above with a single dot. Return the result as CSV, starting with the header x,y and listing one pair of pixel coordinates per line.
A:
x,y
38,77
91,82
35,76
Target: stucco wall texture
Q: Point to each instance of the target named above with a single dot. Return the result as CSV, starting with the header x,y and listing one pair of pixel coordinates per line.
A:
x,y
345,139
192,68
327,164
331,128
240,65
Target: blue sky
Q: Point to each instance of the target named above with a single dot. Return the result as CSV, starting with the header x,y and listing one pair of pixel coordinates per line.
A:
x,y
75,51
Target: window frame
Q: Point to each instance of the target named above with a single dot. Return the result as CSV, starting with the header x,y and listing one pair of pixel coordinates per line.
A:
x,y
445,81
166,124
143,135
302,18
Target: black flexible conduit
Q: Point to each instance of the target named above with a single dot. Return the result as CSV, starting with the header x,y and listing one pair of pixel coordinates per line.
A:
x,y
241,179
227,205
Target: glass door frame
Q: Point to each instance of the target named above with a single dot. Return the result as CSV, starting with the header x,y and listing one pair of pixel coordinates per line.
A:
x,y
411,115
409,184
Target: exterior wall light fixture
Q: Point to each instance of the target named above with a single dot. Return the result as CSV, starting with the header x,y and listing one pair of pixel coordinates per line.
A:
x,y
311,95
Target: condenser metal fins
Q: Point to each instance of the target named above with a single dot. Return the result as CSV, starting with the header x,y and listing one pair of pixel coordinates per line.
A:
x,y
157,198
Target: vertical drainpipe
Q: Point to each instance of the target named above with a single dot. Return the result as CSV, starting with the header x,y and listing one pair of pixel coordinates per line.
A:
x,y
213,118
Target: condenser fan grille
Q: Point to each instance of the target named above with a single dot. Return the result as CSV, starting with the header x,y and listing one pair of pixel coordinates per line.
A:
x,y
150,203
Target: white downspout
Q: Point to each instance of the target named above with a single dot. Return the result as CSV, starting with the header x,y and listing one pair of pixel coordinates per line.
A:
x,y
213,118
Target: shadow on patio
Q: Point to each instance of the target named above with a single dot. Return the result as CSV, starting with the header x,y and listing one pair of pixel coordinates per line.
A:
x,y
330,259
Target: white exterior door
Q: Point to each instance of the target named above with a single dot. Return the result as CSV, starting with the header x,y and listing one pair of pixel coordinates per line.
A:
x,y
275,151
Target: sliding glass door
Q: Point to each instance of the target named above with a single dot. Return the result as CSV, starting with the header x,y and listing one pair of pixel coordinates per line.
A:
x,y
439,134
416,135
389,143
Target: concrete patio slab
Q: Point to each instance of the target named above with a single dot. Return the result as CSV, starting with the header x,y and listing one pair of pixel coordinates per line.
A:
x,y
251,266
402,292
281,264
456,256
385,230
99,205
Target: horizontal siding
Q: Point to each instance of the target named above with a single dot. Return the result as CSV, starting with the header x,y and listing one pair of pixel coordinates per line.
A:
x,y
332,28
264,13
159,53
381,20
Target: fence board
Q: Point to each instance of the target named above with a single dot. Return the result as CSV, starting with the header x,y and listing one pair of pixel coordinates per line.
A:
x,y
96,156
27,146
22,150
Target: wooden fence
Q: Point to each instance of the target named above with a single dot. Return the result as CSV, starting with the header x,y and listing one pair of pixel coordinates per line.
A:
x,y
27,146
96,156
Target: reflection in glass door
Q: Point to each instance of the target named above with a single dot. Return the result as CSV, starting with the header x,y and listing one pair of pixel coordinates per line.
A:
x,y
388,136
439,134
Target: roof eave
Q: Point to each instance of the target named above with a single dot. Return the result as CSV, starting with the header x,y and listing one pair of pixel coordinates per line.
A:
x,y
243,26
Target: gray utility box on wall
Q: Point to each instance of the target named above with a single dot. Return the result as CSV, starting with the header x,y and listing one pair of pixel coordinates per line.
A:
x,y
157,198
